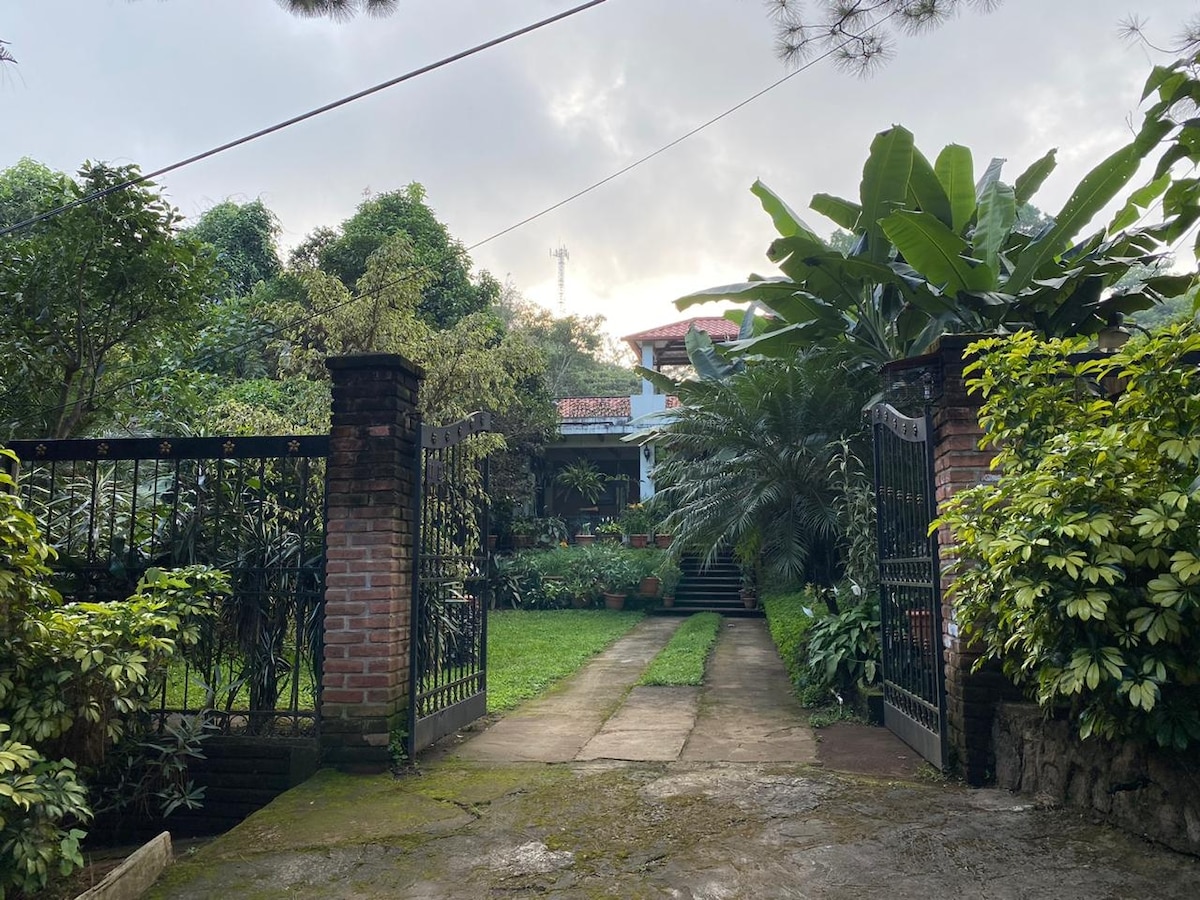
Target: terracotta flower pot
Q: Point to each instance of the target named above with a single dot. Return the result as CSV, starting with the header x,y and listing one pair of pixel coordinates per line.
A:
x,y
663,541
614,601
585,540
749,598
639,540
648,586
668,600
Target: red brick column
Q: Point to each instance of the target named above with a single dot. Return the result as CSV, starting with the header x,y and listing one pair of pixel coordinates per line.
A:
x,y
958,463
370,487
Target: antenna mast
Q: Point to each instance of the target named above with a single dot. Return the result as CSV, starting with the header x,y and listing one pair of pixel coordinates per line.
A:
x,y
562,256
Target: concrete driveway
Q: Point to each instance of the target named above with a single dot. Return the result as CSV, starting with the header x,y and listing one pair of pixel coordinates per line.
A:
x,y
602,789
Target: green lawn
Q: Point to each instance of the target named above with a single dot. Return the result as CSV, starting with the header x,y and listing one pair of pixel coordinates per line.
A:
x,y
682,660
529,650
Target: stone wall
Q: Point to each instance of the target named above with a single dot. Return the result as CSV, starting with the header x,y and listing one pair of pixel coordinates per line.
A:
x,y
1139,788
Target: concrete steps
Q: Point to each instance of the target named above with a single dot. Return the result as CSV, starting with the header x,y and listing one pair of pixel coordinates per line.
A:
x,y
715,588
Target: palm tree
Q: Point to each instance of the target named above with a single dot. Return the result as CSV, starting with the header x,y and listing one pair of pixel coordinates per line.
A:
x,y
749,462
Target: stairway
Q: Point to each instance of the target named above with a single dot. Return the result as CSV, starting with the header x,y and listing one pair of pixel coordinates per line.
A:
x,y
715,589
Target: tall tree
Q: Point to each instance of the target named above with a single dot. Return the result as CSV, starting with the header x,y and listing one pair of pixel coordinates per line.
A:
x,y
580,357
29,188
450,292
244,238
860,34
89,294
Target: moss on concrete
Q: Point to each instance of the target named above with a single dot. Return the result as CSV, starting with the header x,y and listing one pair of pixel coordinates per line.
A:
x,y
455,830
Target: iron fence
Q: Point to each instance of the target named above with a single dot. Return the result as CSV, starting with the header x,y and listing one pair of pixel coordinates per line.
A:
x,y
250,506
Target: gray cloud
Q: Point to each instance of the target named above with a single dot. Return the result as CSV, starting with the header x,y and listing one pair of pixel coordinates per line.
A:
x,y
503,135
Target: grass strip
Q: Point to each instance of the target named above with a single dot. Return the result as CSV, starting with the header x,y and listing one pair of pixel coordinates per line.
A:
x,y
682,660
529,650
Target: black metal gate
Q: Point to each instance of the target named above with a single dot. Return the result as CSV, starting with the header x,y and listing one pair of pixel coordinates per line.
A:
x,y
909,582
451,596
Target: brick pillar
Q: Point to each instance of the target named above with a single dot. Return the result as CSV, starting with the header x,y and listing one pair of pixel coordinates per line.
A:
x,y
971,697
370,488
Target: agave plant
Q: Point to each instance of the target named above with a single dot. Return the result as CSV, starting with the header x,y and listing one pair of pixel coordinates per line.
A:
x,y
938,251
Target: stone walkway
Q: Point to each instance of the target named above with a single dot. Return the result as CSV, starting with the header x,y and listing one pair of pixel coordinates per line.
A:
x,y
744,713
602,789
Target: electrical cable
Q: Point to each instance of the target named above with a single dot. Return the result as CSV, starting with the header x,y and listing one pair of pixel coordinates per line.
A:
x,y
580,193
679,140
279,126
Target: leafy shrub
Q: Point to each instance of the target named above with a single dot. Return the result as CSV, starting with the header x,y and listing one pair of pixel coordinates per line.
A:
x,y
554,579
36,797
844,652
1084,570
73,679
789,618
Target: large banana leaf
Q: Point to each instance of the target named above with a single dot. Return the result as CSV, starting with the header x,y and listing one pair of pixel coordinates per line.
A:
x,y
956,171
936,252
884,186
767,291
1139,201
843,212
787,223
1031,179
927,190
1096,190
705,359
996,214
990,176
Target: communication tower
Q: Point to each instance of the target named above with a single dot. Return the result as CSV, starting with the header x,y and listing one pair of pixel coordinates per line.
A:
x,y
562,256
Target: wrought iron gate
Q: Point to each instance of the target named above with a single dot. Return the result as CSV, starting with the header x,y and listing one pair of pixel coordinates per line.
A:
x,y
450,600
909,582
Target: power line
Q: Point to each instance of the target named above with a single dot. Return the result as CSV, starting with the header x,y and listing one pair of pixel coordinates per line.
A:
x,y
679,140
415,272
271,129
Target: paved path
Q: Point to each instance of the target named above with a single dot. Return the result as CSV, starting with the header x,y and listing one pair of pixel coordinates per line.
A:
x,y
677,805
744,712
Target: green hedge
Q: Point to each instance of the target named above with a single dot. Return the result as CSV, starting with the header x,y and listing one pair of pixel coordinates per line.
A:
x,y
789,617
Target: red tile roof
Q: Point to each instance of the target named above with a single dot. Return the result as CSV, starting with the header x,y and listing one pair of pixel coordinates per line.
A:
x,y
718,328
600,407
593,407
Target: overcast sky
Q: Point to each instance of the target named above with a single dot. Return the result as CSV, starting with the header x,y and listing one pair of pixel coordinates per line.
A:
x,y
504,134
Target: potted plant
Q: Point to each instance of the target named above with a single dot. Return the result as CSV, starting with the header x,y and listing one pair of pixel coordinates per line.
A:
x,y
549,532
584,536
669,574
646,562
609,531
617,575
523,531
636,523
583,478
749,557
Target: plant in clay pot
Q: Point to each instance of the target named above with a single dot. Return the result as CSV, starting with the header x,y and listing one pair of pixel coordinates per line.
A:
x,y
669,575
609,530
637,523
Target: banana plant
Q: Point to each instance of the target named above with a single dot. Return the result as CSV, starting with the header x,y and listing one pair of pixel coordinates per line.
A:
x,y
937,251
